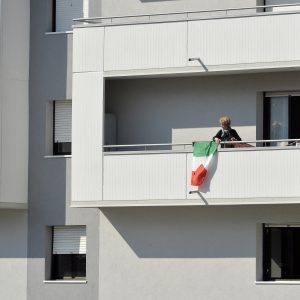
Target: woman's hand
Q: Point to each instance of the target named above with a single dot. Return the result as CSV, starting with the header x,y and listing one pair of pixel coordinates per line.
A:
x,y
217,140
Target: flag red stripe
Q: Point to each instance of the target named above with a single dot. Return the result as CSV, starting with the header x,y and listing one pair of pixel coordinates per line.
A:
x,y
199,175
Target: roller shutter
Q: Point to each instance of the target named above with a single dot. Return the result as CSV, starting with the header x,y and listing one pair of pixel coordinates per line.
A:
x,y
69,240
63,121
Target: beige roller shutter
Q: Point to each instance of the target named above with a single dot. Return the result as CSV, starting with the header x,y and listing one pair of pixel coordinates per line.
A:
x,y
69,240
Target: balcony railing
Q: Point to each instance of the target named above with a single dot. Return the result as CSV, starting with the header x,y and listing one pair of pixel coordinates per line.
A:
x,y
187,15
187,146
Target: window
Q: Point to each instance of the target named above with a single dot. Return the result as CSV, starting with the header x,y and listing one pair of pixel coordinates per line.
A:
x,y
62,127
281,252
68,253
67,10
281,115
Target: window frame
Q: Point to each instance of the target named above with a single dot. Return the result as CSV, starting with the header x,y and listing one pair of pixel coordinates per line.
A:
x,y
59,261
286,231
267,96
60,148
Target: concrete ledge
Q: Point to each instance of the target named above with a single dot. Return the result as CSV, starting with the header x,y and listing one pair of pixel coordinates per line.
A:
x,y
185,202
239,68
66,281
57,156
8,205
278,282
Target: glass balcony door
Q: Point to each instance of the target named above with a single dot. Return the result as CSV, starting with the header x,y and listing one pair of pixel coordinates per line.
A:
x,y
281,120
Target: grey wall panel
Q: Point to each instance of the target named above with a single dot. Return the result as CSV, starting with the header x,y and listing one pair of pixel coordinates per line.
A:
x,y
88,49
145,46
50,178
262,39
67,10
87,136
144,177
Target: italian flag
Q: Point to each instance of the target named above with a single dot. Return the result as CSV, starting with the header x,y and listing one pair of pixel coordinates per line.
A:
x,y
202,157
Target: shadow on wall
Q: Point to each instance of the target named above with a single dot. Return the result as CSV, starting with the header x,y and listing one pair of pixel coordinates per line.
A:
x,y
184,232
13,233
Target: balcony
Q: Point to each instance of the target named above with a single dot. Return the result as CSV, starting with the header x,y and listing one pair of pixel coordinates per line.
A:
x,y
134,69
256,175
247,39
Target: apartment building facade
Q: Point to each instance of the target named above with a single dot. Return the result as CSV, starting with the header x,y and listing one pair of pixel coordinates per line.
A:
x,y
97,125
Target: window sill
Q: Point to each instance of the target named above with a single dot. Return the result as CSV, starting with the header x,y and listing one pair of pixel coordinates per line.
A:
x,y
279,282
58,32
66,281
57,156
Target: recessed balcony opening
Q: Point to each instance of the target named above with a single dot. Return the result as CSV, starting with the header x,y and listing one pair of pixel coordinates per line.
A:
x,y
186,109
177,110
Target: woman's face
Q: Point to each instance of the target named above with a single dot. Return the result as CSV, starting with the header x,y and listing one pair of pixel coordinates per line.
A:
x,y
224,125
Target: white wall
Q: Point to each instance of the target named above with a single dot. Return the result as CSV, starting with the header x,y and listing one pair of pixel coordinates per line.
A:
x,y
87,115
235,177
213,44
188,253
145,46
267,40
14,73
186,109
13,254
120,7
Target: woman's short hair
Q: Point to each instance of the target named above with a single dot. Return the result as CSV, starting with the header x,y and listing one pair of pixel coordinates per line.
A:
x,y
225,120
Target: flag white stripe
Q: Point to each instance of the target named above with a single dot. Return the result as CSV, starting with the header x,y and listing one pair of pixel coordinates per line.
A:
x,y
201,160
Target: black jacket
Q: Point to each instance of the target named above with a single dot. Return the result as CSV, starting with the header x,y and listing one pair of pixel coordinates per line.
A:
x,y
227,135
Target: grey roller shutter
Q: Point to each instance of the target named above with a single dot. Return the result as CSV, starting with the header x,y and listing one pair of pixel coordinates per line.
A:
x,y
66,11
69,240
63,121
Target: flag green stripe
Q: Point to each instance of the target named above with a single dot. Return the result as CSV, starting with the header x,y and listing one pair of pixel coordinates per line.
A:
x,y
204,149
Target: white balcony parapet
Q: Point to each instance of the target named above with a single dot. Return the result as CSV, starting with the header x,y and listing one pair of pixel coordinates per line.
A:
x,y
254,175
190,42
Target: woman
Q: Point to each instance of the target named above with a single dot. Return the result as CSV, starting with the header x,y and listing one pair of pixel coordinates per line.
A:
x,y
226,133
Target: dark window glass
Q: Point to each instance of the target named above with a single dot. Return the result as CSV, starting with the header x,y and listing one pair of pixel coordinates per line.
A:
x,y
294,132
281,117
62,148
281,253
68,266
